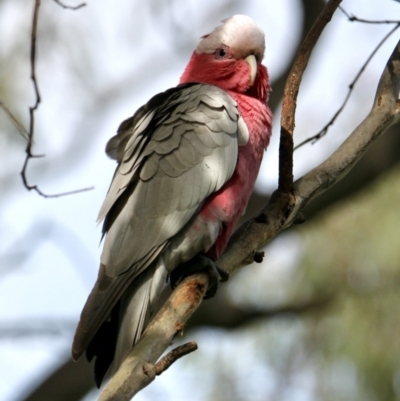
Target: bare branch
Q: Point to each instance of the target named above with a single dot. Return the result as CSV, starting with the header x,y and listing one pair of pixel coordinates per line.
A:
x,y
353,18
57,195
313,139
383,114
166,361
290,96
70,7
32,110
20,128
138,370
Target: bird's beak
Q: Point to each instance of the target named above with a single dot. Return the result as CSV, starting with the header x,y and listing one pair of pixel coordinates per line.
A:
x,y
252,62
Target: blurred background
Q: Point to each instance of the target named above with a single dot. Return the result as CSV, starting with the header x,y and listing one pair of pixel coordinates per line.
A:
x,y
319,319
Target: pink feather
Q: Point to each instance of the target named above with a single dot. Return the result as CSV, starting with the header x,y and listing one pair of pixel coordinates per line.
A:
x,y
229,203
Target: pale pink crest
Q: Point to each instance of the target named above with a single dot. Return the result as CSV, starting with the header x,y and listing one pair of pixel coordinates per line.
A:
x,y
239,32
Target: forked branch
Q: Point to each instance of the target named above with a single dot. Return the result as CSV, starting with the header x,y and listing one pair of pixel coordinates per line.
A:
x,y
290,93
314,138
140,367
29,134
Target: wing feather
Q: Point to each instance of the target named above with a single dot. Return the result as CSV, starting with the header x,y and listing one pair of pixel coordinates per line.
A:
x,y
173,153
164,176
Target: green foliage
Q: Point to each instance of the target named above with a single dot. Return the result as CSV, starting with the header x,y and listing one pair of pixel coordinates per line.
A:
x,y
353,253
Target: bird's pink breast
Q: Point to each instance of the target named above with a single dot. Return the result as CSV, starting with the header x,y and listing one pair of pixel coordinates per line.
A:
x,y
229,203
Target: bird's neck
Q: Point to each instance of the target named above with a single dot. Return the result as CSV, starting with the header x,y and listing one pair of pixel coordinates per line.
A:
x,y
229,75
258,118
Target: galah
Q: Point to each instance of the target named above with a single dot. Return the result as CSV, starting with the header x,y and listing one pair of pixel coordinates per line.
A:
x,y
187,164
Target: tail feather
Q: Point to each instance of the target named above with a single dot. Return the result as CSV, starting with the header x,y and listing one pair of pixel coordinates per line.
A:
x,y
137,307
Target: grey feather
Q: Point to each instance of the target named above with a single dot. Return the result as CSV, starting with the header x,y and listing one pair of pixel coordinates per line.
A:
x,y
171,158
165,147
137,305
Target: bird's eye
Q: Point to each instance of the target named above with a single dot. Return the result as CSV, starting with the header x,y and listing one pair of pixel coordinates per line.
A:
x,y
221,52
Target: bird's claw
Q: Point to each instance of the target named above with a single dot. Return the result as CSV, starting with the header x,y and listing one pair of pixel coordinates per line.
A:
x,y
200,264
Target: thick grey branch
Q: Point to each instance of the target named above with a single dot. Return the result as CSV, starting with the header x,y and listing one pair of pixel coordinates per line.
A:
x,y
139,368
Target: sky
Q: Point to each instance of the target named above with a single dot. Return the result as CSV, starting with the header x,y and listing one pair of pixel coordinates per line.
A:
x,y
52,282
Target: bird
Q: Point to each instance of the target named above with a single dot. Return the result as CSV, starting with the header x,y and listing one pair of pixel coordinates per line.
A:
x,y
187,162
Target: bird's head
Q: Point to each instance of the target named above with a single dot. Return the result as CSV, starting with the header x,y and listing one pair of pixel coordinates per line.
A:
x,y
230,57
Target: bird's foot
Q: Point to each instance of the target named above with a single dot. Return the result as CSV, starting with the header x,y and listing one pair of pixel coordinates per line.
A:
x,y
199,264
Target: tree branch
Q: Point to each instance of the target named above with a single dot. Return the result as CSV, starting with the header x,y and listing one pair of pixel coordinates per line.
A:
x,y
353,18
384,113
256,232
20,128
290,96
138,369
166,361
324,130
65,7
32,109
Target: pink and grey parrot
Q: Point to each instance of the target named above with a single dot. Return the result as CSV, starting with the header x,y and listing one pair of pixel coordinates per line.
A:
x,y
187,164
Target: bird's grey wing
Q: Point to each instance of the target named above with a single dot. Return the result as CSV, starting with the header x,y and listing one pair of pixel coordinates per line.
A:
x,y
164,177
175,157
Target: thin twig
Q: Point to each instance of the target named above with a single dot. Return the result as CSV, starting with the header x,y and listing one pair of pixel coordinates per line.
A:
x,y
353,18
70,7
32,110
58,195
166,361
325,129
20,128
290,96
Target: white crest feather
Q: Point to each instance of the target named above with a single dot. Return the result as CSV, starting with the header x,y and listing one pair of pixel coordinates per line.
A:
x,y
237,32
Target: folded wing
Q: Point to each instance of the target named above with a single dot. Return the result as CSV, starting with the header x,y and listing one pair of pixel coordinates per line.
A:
x,y
173,153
